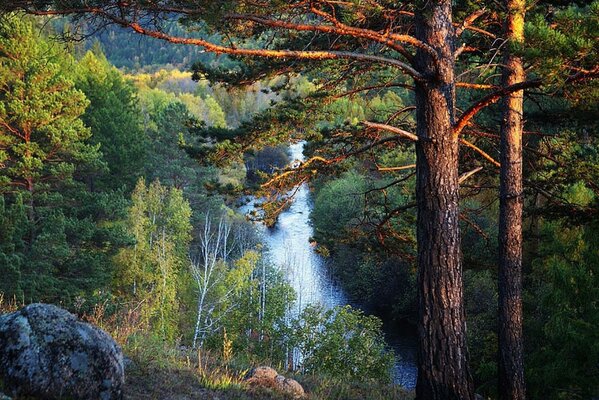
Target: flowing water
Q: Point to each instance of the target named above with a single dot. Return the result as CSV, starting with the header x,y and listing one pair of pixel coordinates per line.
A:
x,y
306,270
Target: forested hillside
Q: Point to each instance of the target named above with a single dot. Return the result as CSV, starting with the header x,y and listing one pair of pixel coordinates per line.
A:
x,y
451,159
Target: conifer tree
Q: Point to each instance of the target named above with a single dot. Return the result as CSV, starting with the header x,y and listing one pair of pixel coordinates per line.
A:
x,y
511,200
114,119
58,251
430,63
43,135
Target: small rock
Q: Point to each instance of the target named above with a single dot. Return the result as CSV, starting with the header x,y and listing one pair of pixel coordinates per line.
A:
x,y
268,377
46,352
290,386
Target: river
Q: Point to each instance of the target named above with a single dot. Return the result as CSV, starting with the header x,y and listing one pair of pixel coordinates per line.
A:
x,y
290,250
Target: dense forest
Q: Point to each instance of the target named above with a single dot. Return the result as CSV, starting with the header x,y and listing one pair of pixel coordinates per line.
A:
x,y
451,155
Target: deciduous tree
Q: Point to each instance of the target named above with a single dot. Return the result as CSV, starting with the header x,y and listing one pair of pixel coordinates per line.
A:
x,y
148,272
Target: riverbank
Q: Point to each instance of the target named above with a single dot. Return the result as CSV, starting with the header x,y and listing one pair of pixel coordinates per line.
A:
x,y
312,279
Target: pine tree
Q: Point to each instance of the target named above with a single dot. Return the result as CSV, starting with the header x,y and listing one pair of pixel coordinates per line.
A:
x,y
511,201
43,135
417,40
114,119
59,251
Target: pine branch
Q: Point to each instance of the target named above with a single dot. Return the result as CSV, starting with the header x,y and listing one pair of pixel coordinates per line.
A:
x,y
119,18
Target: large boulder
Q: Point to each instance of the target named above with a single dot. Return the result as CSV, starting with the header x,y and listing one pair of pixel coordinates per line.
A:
x,y
46,352
269,378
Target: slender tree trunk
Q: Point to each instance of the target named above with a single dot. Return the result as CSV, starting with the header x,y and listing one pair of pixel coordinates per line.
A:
x,y
31,212
200,309
443,372
511,365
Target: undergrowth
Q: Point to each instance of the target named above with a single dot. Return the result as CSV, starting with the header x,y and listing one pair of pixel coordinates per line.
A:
x,y
160,370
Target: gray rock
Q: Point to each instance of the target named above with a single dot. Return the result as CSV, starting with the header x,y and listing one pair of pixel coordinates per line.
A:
x,y
47,352
129,364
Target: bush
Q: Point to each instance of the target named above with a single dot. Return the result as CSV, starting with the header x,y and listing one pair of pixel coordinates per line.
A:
x,y
342,343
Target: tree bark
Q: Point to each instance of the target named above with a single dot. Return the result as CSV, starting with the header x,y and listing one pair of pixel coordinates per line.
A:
x,y
511,365
443,371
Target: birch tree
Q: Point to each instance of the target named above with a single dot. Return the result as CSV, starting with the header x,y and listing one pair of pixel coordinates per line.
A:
x,y
207,272
148,271
220,281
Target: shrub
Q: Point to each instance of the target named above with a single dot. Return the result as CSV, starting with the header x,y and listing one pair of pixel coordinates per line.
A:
x,y
342,343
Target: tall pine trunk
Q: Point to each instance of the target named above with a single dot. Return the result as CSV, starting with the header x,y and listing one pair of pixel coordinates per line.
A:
x,y
443,372
511,364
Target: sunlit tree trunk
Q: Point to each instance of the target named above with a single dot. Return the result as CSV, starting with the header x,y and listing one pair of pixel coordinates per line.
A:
x,y
511,365
443,371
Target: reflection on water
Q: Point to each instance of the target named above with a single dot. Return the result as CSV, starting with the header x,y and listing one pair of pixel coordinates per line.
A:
x,y
306,270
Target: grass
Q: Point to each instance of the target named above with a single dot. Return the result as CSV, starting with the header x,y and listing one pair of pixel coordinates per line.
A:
x,y
190,376
8,305
159,370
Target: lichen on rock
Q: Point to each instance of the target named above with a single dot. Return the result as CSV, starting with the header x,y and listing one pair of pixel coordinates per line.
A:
x,y
46,352
268,377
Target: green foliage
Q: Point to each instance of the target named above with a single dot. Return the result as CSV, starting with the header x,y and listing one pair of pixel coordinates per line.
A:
x,y
480,231
480,292
567,38
227,301
564,357
338,207
69,235
148,272
215,114
59,238
216,105
355,110
43,135
115,122
66,252
167,126
570,36
13,224
570,174
239,292
262,312
371,258
61,191
130,51
342,343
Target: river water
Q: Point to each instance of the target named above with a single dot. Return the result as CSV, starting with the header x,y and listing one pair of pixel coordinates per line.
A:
x,y
306,270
